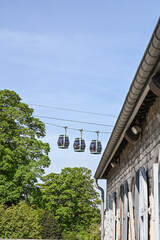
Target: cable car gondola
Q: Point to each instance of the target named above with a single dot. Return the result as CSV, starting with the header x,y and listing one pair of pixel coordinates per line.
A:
x,y
79,144
96,146
63,140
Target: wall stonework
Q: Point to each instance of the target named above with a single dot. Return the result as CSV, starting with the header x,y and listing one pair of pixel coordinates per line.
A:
x,y
143,153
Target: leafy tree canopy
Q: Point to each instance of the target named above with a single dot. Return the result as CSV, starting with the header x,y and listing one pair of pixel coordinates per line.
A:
x,y
72,198
23,156
24,222
20,221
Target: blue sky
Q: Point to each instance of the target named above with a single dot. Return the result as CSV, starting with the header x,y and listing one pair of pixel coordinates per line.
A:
x,y
73,54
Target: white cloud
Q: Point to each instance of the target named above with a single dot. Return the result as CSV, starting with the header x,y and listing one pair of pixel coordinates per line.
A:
x,y
71,54
48,40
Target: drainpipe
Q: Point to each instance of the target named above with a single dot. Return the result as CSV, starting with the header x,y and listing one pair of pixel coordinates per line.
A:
x,y
102,208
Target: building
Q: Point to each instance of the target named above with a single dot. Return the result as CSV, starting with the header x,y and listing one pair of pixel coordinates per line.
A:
x,y
131,159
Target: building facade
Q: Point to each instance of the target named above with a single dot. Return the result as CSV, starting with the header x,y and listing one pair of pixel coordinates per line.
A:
x,y
131,160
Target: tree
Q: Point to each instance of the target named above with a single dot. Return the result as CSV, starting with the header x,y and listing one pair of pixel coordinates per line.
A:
x,y
23,156
50,227
25,222
20,222
72,198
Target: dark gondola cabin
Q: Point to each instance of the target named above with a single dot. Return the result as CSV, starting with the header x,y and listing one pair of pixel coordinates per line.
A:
x,y
63,142
95,147
79,145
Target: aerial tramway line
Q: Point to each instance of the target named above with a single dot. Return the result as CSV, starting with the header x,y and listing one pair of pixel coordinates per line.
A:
x,y
79,144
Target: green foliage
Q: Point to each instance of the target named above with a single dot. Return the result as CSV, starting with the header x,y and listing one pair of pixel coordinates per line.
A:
x,y
50,227
19,222
72,198
68,201
92,233
23,156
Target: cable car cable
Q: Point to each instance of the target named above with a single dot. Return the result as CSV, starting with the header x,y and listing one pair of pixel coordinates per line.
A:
x,y
68,120
75,129
73,110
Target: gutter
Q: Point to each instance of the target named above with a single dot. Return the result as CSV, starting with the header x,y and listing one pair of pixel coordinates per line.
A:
x,y
136,94
102,208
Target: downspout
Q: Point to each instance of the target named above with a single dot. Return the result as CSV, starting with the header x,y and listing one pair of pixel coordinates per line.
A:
x,y
102,208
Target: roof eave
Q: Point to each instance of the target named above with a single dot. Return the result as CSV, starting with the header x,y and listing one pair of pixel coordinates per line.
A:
x,y
136,94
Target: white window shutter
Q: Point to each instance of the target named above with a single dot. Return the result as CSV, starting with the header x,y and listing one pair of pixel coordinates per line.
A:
x,y
118,217
114,216
143,204
125,212
136,204
156,201
121,211
131,217
156,185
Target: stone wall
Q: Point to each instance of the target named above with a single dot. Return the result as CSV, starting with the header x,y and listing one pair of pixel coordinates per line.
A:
x,y
143,153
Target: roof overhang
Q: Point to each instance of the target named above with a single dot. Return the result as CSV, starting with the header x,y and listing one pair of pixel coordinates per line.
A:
x,y
139,89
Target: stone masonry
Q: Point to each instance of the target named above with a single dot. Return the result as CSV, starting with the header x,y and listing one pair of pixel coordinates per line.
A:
x,y
142,154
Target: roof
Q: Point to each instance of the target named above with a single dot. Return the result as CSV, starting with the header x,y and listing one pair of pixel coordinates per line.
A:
x,y
137,93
